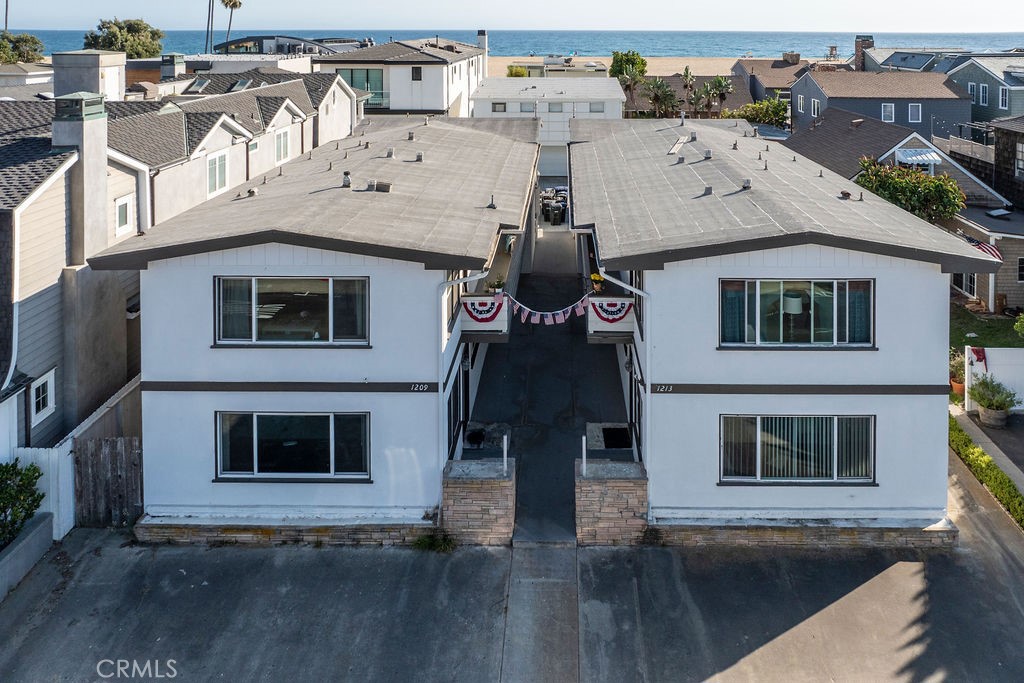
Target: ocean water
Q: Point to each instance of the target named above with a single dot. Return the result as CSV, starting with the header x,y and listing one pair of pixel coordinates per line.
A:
x,y
648,43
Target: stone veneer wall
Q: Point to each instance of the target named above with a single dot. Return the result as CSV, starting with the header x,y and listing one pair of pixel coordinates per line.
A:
x,y
478,501
266,534
611,503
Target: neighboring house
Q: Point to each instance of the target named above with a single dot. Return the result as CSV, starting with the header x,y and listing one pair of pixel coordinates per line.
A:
x,y
995,84
553,101
927,103
428,76
287,45
739,96
772,370
1009,159
560,66
25,73
322,368
173,65
840,139
89,175
768,78
17,93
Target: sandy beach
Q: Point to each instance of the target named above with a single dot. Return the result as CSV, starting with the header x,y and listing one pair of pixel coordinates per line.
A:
x,y
656,66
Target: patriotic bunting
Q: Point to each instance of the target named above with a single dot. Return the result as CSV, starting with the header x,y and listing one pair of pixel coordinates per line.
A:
x,y
485,311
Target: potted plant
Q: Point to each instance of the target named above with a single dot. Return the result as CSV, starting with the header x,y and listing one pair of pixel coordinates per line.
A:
x,y
956,371
597,282
497,285
994,400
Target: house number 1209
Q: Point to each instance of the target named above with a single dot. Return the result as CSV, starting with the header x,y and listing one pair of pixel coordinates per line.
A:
x,y
420,387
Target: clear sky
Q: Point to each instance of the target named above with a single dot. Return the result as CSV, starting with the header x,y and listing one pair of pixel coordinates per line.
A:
x,y
877,16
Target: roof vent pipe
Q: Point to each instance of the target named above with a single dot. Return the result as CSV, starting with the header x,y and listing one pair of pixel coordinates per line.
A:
x,y
412,135
707,190
390,153
746,183
371,185
736,144
419,156
707,154
492,205
693,136
346,179
680,159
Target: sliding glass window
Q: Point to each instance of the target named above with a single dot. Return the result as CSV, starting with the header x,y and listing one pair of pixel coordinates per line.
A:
x,y
292,310
796,312
769,448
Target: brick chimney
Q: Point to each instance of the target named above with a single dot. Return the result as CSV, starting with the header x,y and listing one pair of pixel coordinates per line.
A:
x,y
859,45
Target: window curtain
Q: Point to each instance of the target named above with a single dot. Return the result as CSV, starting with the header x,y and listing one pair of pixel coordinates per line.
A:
x,y
734,312
859,307
350,309
855,439
796,447
236,309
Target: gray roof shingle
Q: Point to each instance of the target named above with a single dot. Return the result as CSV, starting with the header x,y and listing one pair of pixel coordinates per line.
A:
x,y
435,213
838,142
888,84
27,157
774,73
424,51
647,209
156,138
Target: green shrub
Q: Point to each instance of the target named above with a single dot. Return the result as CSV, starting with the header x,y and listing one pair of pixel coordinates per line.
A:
x,y
926,196
990,393
956,365
515,71
438,540
19,498
771,112
987,472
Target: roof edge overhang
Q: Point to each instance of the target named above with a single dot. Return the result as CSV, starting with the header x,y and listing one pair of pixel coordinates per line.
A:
x,y
139,259
950,263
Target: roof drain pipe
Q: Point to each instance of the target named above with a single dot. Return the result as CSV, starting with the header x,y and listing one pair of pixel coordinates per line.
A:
x,y
442,436
648,340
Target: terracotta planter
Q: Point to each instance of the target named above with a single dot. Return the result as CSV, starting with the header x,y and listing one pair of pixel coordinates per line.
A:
x,y
958,387
993,418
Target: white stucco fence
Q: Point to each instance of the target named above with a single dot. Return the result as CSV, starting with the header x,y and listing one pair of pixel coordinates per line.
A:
x,y
1006,365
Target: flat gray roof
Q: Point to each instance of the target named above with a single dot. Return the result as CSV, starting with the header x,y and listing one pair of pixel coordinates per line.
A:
x,y
558,89
648,210
436,212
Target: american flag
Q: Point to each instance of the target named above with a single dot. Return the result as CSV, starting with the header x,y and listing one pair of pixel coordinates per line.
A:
x,y
989,249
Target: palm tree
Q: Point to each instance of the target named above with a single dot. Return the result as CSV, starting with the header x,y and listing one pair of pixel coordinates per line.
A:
x,y
208,45
230,5
631,80
694,99
688,81
7,13
709,96
663,97
723,88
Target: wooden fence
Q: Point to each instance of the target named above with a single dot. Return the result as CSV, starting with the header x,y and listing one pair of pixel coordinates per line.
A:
x,y
108,482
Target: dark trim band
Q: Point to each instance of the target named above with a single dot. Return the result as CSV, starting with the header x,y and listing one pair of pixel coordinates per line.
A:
x,y
287,480
303,387
805,389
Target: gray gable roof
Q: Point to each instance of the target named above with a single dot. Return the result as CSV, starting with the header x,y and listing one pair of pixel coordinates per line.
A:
x,y
27,157
1015,124
317,84
424,51
156,138
647,209
840,138
244,106
435,213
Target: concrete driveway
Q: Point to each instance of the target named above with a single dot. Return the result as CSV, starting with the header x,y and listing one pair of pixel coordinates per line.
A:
x,y
652,614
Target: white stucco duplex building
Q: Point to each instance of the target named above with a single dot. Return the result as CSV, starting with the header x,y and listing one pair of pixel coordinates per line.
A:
x,y
303,348
554,102
787,357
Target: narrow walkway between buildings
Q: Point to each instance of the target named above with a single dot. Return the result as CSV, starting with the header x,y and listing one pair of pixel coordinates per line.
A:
x,y
547,383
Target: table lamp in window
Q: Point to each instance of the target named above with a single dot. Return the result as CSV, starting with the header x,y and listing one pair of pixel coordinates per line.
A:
x,y
793,305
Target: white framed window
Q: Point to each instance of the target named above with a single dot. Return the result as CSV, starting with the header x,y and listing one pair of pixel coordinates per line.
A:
x,y
966,283
1018,168
888,112
216,173
554,107
815,107
288,445
282,141
983,94
597,107
497,107
800,103
293,310
254,146
809,313
124,215
797,448
1004,97
527,107
972,90
43,396
914,112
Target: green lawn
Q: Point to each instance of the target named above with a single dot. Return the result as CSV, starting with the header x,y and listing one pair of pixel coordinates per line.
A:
x,y
995,332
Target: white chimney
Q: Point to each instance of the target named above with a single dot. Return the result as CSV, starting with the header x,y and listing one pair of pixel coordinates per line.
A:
x,y
93,71
481,42
172,65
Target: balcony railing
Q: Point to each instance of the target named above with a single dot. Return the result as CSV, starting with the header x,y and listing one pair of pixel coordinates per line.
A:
x,y
611,318
380,99
484,314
